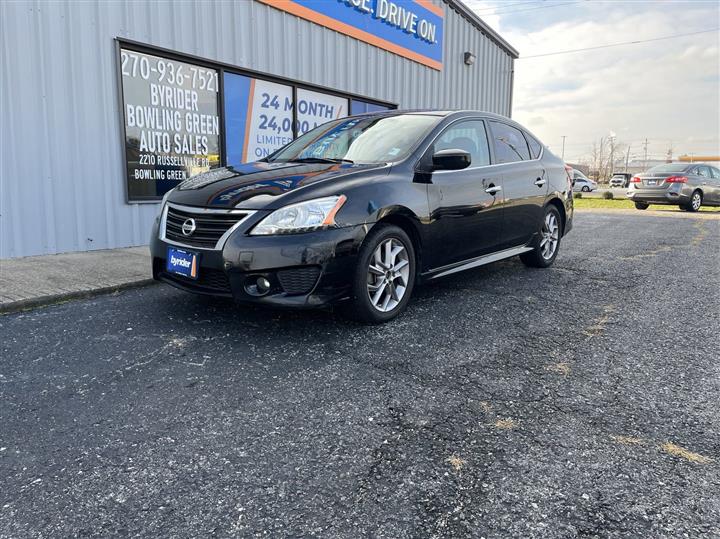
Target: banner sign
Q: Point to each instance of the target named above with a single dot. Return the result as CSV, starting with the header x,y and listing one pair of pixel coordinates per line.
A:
x,y
259,115
409,28
172,123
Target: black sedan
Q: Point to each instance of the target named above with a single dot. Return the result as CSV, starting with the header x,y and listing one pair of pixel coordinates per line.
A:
x,y
361,209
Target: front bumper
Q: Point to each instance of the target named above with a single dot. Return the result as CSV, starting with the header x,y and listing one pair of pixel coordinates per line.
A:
x,y
304,270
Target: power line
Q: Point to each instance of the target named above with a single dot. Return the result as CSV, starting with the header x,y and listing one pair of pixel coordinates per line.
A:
x,y
501,12
507,4
651,142
621,43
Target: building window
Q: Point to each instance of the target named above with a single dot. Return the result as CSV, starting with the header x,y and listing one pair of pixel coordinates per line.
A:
x,y
358,106
171,120
258,117
316,108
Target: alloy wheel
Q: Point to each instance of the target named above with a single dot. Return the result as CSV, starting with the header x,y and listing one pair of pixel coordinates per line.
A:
x,y
696,201
550,236
388,274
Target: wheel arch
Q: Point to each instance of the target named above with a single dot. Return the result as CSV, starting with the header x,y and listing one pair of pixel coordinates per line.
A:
x,y
561,208
405,219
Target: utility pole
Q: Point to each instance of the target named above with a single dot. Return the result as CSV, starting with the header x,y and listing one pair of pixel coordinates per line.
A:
x,y
645,145
627,157
563,148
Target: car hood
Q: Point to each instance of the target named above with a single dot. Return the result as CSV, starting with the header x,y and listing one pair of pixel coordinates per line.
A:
x,y
258,185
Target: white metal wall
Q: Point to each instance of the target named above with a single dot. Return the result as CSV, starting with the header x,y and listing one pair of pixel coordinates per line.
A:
x,y
62,185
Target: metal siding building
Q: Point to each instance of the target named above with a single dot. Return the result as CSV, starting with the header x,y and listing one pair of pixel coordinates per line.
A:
x,y
62,144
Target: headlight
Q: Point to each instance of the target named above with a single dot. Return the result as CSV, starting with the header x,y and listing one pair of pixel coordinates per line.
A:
x,y
301,217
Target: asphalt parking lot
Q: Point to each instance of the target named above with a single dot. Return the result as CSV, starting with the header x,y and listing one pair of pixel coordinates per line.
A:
x,y
577,401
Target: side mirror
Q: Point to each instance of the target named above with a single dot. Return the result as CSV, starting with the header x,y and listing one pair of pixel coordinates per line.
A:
x,y
451,159
573,182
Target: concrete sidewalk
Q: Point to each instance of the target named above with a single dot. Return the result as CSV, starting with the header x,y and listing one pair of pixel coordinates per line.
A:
x,y
40,280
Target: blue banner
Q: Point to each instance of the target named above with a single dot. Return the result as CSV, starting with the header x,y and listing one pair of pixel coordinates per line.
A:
x,y
409,28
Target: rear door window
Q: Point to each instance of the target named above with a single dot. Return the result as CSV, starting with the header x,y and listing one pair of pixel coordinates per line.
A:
x,y
509,143
535,146
703,171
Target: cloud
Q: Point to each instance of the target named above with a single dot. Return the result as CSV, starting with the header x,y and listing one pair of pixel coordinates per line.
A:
x,y
667,91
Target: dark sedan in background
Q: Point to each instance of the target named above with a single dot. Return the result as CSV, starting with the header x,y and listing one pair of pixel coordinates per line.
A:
x,y
688,185
360,209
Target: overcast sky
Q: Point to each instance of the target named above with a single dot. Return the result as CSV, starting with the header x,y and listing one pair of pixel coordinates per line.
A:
x,y
667,91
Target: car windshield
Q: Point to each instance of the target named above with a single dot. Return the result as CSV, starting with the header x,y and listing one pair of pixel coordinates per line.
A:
x,y
673,167
364,139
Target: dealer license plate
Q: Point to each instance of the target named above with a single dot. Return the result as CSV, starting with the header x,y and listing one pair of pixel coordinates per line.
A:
x,y
652,182
183,263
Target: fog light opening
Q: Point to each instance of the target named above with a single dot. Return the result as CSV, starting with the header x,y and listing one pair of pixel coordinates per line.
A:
x,y
257,285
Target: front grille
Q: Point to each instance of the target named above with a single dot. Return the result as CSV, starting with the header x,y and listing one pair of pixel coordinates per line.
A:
x,y
298,280
209,280
209,226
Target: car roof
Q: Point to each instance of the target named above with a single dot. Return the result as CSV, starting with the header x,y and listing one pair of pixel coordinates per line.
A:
x,y
436,112
458,113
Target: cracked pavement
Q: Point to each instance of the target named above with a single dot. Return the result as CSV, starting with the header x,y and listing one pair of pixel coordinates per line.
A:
x,y
579,401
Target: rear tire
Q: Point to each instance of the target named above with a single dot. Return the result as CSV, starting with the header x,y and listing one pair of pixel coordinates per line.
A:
x,y
546,246
641,206
695,202
586,189
384,276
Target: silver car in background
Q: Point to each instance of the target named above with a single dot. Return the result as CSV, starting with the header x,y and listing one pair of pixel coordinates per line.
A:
x,y
582,182
688,185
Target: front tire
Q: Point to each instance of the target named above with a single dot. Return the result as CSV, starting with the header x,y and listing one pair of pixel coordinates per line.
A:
x,y
547,245
641,206
585,189
695,202
384,276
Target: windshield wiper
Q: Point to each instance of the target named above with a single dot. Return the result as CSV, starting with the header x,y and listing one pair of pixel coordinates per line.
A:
x,y
321,160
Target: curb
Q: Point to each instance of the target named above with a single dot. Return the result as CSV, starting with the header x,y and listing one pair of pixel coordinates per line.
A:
x,y
700,216
52,299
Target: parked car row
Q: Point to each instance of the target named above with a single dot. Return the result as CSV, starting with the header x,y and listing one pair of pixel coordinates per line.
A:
x,y
687,185
361,209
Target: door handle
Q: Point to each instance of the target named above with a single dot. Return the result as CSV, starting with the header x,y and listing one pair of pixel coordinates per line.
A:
x,y
540,182
493,189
